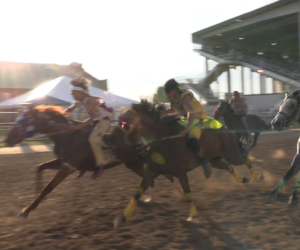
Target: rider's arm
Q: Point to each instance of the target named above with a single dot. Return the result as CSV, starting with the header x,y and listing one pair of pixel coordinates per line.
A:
x,y
243,106
91,104
72,107
169,111
187,104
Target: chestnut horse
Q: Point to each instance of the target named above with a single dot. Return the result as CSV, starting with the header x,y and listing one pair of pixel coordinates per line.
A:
x,y
72,149
169,154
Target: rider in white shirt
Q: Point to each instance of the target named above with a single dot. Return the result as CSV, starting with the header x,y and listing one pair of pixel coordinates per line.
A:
x,y
99,115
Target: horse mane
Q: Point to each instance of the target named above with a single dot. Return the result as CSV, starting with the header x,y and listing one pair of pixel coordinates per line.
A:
x,y
53,111
150,109
50,109
296,92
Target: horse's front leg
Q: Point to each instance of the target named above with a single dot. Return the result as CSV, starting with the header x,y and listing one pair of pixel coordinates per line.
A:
x,y
65,170
184,181
256,134
54,164
138,168
295,167
149,176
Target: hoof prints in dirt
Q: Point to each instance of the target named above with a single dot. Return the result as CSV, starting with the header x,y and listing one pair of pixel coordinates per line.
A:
x,y
79,214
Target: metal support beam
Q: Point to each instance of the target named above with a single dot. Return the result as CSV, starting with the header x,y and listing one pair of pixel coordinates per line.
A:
x,y
299,37
228,81
242,77
262,82
206,64
251,82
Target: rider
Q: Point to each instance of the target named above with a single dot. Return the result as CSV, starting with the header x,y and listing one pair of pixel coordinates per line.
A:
x,y
238,104
183,102
99,116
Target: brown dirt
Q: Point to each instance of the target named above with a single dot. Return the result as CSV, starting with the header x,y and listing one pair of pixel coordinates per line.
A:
x,y
79,214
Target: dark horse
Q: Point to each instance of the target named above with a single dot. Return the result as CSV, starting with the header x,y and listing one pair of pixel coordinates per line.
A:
x,y
169,154
72,149
289,111
256,125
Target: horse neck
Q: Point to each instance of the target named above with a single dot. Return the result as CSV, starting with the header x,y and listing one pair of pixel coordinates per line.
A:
x,y
51,127
297,117
157,130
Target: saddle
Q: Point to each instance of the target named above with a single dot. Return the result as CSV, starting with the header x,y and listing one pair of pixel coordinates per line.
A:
x,y
238,125
170,118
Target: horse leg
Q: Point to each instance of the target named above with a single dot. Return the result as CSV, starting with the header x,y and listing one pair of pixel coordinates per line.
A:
x,y
138,168
54,164
293,200
149,176
256,134
295,167
62,173
253,175
219,164
184,181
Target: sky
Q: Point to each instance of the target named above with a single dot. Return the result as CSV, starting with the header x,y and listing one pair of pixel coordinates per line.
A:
x,y
136,44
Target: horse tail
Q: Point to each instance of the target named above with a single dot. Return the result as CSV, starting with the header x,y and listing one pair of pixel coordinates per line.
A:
x,y
235,152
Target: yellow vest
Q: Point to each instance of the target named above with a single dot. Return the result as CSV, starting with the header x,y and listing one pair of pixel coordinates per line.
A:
x,y
199,111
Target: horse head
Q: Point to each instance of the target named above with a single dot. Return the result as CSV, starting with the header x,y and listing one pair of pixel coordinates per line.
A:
x,y
141,118
223,109
288,111
41,119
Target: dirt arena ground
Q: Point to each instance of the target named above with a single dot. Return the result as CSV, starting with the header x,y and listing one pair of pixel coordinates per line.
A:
x,y
79,214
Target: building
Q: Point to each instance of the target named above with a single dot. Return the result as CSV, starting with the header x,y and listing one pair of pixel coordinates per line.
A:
x,y
17,78
261,44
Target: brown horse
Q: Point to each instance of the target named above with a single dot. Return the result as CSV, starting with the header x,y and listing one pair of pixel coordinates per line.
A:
x,y
72,149
256,125
169,154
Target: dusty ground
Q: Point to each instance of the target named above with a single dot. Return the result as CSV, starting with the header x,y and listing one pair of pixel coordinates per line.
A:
x,y
79,213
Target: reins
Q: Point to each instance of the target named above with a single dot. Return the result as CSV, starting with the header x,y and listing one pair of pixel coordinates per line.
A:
x,y
165,138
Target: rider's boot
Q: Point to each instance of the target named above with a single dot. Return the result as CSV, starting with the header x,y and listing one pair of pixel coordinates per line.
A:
x,y
205,164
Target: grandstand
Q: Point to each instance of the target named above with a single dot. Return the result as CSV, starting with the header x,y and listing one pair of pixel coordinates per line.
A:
x,y
264,42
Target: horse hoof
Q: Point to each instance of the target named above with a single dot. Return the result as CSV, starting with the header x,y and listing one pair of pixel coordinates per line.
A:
x,y
22,215
261,178
245,180
146,198
272,195
119,222
293,200
190,218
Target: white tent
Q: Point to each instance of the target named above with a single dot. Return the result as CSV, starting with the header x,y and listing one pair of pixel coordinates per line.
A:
x,y
57,92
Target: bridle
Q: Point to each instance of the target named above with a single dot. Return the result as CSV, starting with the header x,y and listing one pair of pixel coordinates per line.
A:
x,y
29,128
135,124
290,117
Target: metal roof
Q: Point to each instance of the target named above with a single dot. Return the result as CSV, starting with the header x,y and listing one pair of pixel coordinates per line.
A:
x,y
245,16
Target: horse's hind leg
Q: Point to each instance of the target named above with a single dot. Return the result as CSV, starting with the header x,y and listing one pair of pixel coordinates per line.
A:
x,y
219,164
149,176
184,181
253,175
54,164
63,172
